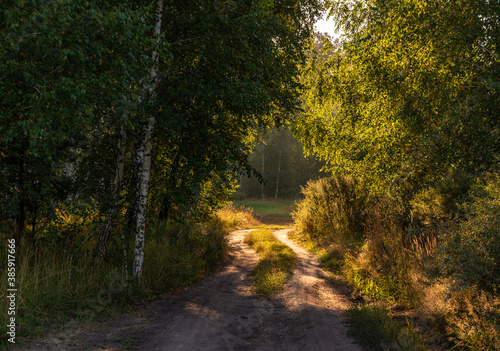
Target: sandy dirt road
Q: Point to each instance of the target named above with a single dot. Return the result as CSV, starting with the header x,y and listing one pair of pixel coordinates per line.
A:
x,y
221,313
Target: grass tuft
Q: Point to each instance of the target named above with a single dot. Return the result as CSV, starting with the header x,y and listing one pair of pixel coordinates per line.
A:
x,y
276,262
55,286
375,328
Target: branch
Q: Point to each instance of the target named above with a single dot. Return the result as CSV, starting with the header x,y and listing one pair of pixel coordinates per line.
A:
x,y
487,50
55,69
31,86
428,163
461,59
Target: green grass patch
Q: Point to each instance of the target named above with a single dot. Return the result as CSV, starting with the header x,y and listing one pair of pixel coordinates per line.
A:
x,y
268,207
331,256
276,262
376,329
270,211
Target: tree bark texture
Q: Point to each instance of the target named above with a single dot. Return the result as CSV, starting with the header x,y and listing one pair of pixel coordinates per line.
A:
x,y
145,172
279,170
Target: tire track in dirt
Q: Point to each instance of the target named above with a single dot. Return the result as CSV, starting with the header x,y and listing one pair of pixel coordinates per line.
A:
x,y
317,309
222,313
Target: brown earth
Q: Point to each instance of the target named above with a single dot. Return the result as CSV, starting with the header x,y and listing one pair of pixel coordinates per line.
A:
x,y
222,313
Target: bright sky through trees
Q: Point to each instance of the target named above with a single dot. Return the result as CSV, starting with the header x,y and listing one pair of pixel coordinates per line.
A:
x,y
327,26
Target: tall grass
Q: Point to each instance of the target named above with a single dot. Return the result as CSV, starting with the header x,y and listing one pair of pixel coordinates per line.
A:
x,y
57,284
376,329
237,217
440,262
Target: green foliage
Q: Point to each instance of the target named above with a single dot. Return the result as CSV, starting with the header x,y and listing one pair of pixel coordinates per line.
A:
x,y
276,262
332,209
363,236
71,73
180,254
56,283
481,231
409,95
375,328
78,82
408,101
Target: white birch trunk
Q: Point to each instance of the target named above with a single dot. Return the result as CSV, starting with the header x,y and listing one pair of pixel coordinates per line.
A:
x,y
145,171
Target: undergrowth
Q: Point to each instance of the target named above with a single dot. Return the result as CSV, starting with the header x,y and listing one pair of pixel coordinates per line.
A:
x,y
376,329
276,262
237,217
434,253
56,285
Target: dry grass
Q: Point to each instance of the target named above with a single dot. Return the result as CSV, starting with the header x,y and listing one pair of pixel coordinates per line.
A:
x,y
56,284
237,217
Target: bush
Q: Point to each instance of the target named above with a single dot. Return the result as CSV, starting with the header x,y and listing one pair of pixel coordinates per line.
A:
x,y
471,253
331,209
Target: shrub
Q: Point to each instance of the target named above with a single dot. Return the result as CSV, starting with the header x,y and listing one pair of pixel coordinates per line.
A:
x,y
233,217
331,209
471,253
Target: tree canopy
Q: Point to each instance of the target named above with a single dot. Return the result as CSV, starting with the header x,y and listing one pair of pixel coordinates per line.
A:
x,y
98,98
410,93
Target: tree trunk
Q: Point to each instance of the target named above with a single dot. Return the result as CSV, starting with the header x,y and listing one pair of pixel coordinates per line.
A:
x,y
279,169
20,217
145,172
167,202
102,245
138,160
263,169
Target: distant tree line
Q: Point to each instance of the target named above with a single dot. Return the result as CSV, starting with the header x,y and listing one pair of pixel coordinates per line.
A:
x,y
280,159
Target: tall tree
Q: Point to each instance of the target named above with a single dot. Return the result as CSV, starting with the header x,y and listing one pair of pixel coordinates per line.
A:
x,y
65,69
146,146
410,94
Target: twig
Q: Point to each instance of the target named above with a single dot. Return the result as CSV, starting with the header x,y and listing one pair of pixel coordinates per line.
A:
x,y
31,86
487,50
428,163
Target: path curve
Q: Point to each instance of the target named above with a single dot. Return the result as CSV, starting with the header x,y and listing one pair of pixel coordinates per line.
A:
x,y
222,313
317,308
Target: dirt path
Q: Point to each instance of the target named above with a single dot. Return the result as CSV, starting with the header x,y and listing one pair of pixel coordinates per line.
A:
x,y
220,313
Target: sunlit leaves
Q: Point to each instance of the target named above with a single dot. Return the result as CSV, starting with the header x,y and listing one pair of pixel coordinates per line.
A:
x,y
410,91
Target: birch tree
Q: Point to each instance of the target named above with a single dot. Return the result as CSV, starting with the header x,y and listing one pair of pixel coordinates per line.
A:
x,y
145,171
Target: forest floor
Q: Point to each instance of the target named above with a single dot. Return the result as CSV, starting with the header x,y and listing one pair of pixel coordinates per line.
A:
x,y
222,313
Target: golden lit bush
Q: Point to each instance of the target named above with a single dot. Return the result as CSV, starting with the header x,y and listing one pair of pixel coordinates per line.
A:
x,y
331,209
235,217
